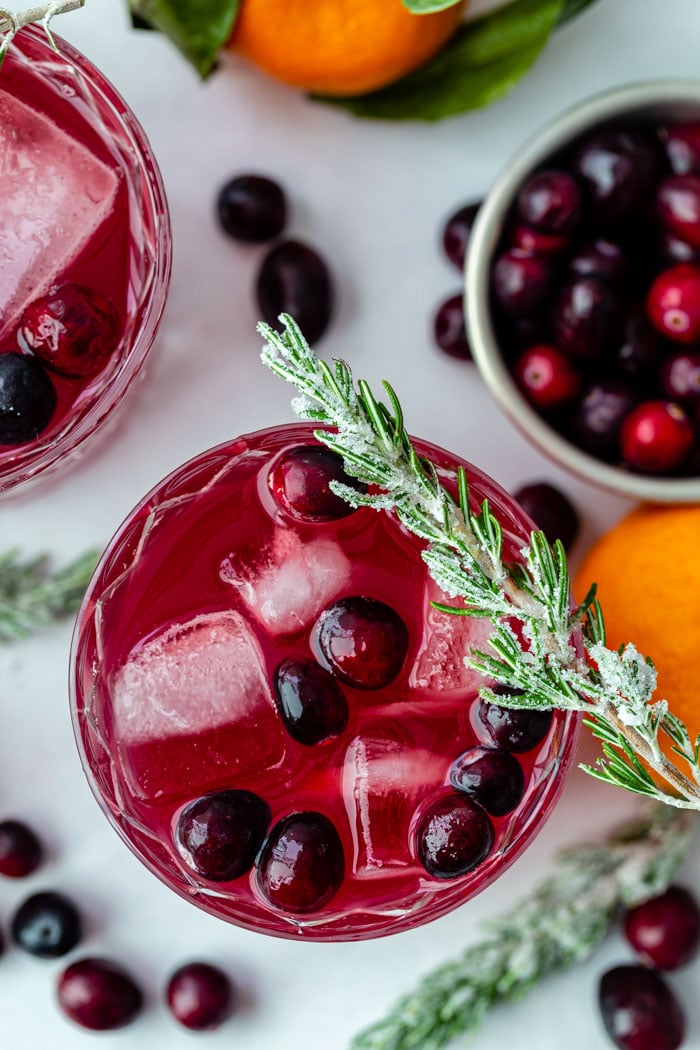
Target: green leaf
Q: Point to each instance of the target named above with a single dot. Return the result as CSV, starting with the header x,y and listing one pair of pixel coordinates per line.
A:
x,y
426,7
199,28
573,8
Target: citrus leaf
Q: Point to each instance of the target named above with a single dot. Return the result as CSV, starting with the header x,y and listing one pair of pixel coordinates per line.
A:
x,y
199,28
426,7
573,8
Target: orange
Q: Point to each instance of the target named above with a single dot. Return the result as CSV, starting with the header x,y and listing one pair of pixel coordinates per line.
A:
x,y
648,573
340,47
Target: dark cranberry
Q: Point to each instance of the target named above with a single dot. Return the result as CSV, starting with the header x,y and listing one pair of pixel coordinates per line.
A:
x,y
656,437
453,837
665,930
27,398
449,329
619,170
362,641
310,701
639,350
200,996
513,729
302,864
672,250
639,1010
680,377
602,259
219,835
598,418
521,282
456,233
546,377
98,994
492,778
678,204
673,303
71,329
252,208
301,482
550,201
47,925
531,240
585,318
20,849
294,279
682,145
551,510
519,333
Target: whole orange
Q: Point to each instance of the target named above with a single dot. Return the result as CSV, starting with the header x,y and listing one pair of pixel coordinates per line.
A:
x,y
340,47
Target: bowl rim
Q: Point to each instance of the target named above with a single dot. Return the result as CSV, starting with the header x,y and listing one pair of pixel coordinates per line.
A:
x,y
484,237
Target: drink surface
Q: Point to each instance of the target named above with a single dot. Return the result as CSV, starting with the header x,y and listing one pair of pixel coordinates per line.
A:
x,y
224,605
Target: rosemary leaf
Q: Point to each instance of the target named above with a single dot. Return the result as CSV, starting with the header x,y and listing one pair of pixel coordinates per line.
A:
x,y
32,595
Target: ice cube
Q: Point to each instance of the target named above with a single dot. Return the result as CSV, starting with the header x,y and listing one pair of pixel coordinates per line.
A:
x,y
55,194
193,705
447,639
292,582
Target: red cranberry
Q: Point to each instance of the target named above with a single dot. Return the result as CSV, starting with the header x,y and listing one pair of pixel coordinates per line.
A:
x,y
656,437
638,353
20,849
678,203
47,925
639,1010
552,511
673,303
597,420
219,835
302,864
492,778
547,378
513,729
301,483
521,282
449,329
680,377
586,318
529,239
71,329
672,250
98,994
665,930
294,279
600,258
550,201
199,996
456,233
619,170
310,701
362,641
682,145
454,836
252,208
27,398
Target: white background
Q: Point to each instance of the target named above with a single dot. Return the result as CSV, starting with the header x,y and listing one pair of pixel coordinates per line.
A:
x,y
372,197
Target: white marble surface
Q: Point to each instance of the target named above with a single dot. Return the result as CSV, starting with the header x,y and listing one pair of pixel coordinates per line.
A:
x,y
372,196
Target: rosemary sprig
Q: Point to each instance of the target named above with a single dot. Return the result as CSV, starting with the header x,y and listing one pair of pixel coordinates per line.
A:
x,y
560,924
557,658
12,21
33,596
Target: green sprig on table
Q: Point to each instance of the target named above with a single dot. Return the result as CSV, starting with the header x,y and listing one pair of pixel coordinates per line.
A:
x,y
34,595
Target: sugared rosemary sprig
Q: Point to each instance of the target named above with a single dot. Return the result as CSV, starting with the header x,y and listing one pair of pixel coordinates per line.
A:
x,y
12,21
557,658
34,596
560,924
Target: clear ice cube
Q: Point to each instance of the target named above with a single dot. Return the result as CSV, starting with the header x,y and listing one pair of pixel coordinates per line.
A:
x,y
447,639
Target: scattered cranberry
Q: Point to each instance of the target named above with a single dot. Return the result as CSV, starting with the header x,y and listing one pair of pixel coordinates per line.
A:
x,y
673,303
252,208
550,201
552,511
513,729
294,279
456,233
71,329
678,204
20,849
362,641
521,281
200,996
585,318
656,437
682,145
665,930
680,377
302,864
98,994
619,169
492,778
597,419
639,1010
301,483
547,378
219,835
47,925
27,398
529,239
600,258
454,836
310,701
449,329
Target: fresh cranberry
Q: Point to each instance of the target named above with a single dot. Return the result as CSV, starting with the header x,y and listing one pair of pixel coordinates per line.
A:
x,y
513,729
492,778
301,482
454,836
27,398
252,208
529,239
585,318
521,281
678,204
639,1010
550,201
456,233
682,145
680,377
519,333
219,835
98,994
47,925
362,641
597,419
302,864
546,377
200,996
294,279
71,329
672,250
656,437
673,303
665,930
310,701
552,511
20,849
619,169
600,258
639,350
449,328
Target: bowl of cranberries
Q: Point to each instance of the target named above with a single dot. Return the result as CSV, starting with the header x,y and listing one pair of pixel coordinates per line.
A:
x,y
583,290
